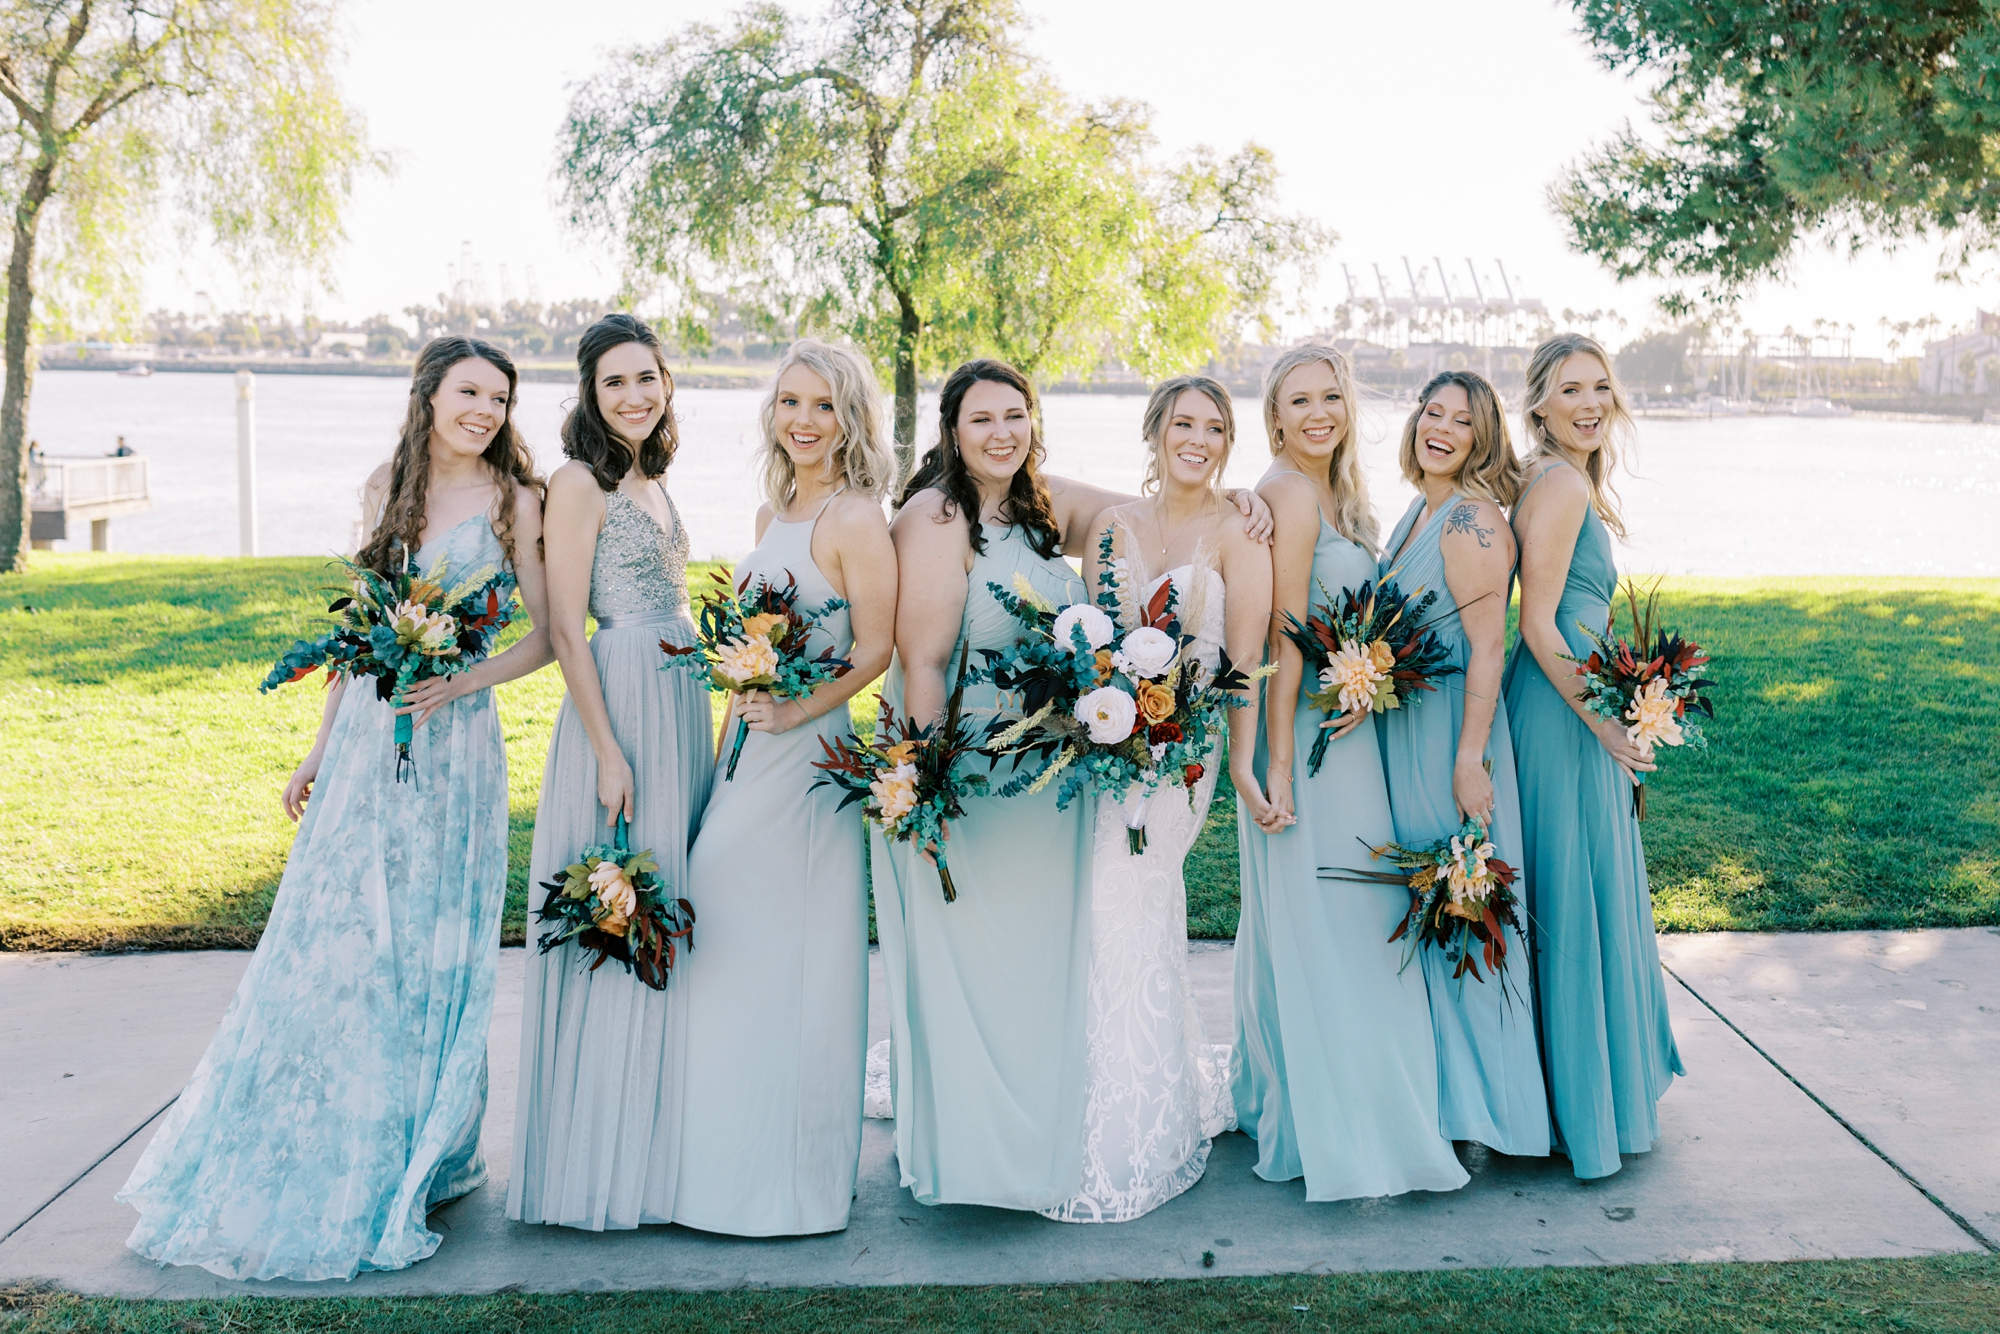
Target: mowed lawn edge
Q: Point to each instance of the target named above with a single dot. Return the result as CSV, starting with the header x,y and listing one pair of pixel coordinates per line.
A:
x,y
1944,1295
1851,782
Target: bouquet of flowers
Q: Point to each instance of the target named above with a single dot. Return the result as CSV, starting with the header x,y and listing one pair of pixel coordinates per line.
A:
x,y
1461,898
757,641
614,901
1652,683
1370,650
906,777
404,630
1130,710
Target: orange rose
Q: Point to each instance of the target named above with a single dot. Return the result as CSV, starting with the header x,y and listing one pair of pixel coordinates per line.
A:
x,y
902,752
763,623
1103,665
1156,701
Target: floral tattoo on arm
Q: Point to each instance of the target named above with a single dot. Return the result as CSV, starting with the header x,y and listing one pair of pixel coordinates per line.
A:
x,y
1464,518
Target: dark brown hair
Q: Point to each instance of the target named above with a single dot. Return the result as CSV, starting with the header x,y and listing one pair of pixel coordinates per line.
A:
x,y
1028,504
399,529
587,437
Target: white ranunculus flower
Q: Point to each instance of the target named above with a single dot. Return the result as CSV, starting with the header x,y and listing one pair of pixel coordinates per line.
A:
x,y
1146,653
1097,627
1108,713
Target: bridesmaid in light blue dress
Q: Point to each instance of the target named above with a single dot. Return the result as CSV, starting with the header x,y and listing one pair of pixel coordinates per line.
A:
x,y
1607,1042
986,994
1452,756
597,1115
1336,1067
777,995
342,1098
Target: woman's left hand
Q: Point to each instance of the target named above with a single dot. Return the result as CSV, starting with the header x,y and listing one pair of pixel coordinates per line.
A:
x,y
1472,789
427,697
767,713
1343,723
1257,520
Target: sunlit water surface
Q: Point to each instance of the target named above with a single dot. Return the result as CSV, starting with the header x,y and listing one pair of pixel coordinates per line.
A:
x,y
1748,495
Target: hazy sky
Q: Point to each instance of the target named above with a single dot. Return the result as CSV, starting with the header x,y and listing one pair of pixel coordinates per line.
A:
x,y
1413,127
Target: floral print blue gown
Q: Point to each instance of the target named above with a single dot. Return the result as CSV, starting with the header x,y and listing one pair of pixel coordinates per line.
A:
x,y
342,1097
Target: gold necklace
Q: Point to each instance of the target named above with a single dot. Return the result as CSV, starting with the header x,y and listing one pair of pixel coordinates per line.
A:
x,y
1161,523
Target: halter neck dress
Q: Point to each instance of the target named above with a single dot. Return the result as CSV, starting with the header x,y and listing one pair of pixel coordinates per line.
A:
x,y
1336,1073
1607,1043
598,1117
777,994
987,995
1490,1085
341,1099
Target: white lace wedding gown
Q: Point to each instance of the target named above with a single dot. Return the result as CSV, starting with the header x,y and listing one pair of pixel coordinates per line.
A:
x,y
1158,1091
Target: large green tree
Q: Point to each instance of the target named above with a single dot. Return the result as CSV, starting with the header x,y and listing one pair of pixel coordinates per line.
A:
x,y
903,173
1776,121
216,117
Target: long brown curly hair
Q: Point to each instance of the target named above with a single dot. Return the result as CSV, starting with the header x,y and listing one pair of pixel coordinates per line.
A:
x,y
1028,504
399,530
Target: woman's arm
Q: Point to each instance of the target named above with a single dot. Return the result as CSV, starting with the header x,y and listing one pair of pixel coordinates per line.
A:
x,y
1080,511
1547,526
1296,510
1478,552
530,653
865,564
932,561
570,526
299,786
1246,577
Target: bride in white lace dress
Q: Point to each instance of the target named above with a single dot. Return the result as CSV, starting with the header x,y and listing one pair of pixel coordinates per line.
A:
x,y
1157,1090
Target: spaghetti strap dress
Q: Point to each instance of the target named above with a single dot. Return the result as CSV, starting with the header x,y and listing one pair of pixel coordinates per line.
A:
x,y
597,1124
1336,1073
1490,1085
988,995
341,1099
1607,1044
777,993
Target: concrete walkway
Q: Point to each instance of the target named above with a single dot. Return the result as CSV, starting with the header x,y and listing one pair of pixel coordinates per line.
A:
x,y
1858,1124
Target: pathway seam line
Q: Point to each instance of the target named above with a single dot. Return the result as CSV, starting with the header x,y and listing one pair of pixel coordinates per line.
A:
x,y
69,1185
1964,1224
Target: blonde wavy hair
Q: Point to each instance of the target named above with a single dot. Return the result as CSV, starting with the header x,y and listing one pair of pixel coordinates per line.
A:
x,y
1619,428
1160,414
1492,472
1353,516
861,457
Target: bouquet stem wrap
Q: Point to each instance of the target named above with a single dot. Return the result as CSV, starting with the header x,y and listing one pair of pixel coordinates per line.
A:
x,y
736,750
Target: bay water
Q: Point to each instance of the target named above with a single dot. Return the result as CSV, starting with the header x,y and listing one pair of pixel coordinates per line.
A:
x,y
1758,495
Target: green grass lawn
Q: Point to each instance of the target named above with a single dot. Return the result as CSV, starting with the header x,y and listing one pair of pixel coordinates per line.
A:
x,y
1957,1293
1852,782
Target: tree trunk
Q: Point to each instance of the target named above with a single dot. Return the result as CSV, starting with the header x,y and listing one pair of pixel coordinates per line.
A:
x,y
911,328
20,370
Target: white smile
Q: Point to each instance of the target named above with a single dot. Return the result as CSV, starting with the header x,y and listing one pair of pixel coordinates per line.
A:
x,y
804,441
1319,435
1444,449
1193,460
636,415
474,429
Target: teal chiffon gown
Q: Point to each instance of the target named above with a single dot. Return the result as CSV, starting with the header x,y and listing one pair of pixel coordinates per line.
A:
x,y
1607,1043
598,1113
777,993
1336,1072
987,995
1490,1087
342,1097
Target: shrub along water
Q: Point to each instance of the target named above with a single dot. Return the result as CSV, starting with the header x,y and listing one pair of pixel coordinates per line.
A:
x,y
1851,781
